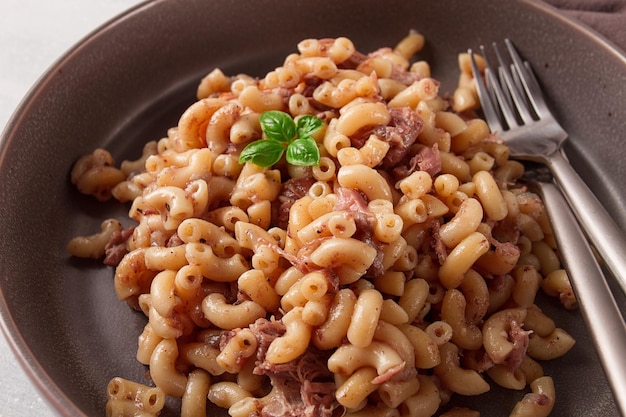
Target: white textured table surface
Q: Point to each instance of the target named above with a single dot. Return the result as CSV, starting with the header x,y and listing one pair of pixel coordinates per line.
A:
x,y
33,34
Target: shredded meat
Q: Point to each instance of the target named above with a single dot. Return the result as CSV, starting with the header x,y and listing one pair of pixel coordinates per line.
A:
x,y
291,191
419,157
355,203
116,248
401,133
520,338
303,387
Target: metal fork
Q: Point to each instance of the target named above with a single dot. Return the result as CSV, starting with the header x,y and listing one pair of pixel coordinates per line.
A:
x,y
598,307
514,107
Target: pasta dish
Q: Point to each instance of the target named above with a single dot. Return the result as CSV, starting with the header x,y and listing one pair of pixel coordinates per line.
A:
x,y
337,237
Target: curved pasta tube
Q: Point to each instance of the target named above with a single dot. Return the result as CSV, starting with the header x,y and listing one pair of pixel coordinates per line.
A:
x,y
225,394
315,312
319,66
172,203
424,89
218,128
393,393
194,230
334,141
439,331
93,246
538,322
335,223
115,407
96,175
214,82
331,333
261,100
214,267
415,185
160,258
132,277
496,330
348,358
426,402
337,95
465,335
163,369
527,283
476,293
392,312
539,403
195,397
349,252
203,356
264,246
147,341
414,298
230,316
426,350
227,217
149,399
456,379
365,315
240,346
464,222
173,326
360,115
354,390
552,346
507,378
163,297
490,196
197,166
193,122
295,340
255,184
461,259
557,284
398,340
365,179
255,285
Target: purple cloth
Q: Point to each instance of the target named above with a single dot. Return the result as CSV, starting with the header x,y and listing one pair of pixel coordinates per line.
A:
x,y
607,17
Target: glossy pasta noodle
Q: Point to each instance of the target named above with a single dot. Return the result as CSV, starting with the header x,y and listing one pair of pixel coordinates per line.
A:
x,y
399,272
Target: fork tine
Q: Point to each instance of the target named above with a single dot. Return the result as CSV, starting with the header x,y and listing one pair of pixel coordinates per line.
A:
x,y
528,81
490,80
487,103
516,97
502,101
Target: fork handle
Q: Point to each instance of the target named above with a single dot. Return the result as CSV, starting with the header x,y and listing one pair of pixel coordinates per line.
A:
x,y
606,236
598,307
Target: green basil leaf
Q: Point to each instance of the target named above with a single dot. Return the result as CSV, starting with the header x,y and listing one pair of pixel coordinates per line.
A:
x,y
263,153
278,125
303,152
307,125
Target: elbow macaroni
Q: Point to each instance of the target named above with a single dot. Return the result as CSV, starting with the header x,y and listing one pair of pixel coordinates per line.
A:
x,y
411,253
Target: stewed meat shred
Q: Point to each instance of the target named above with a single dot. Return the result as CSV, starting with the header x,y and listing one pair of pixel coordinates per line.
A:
x,y
356,204
303,387
116,248
401,133
520,339
291,191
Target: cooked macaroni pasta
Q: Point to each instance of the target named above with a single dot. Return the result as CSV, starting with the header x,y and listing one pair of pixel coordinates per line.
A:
x,y
398,272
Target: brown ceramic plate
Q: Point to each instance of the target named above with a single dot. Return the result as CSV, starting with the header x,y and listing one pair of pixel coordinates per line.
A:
x,y
129,81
